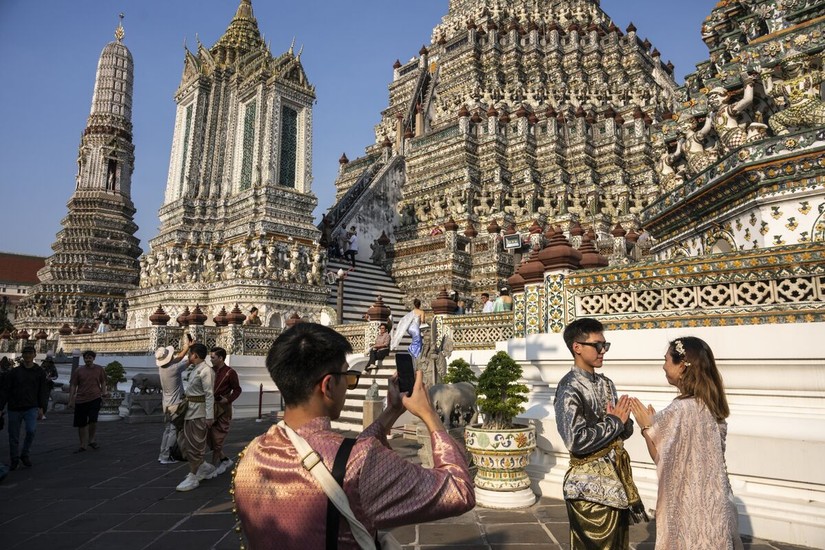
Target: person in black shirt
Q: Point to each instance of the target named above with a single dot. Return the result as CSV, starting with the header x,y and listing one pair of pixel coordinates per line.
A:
x,y
25,392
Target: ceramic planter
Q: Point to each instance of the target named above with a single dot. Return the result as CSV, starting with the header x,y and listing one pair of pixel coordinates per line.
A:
x,y
502,457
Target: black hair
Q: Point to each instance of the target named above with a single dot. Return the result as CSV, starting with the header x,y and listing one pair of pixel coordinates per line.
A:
x,y
199,350
253,309
90,352
301,356
579,330
417,303
28,349
485,294
220,352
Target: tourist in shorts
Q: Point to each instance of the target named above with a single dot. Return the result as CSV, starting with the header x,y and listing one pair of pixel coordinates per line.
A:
x,y
87,388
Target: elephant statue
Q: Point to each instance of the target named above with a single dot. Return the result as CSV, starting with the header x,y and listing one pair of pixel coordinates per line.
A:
x,y
145,383
455,403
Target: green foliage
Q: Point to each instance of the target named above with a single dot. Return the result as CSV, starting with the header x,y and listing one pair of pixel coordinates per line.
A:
x,y
500,396
460,371
5,324
115,373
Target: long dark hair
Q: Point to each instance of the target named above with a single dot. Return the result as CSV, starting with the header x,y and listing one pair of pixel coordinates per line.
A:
x,y
700,378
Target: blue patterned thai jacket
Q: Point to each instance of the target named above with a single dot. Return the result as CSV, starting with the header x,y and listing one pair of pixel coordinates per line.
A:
x,y
585,427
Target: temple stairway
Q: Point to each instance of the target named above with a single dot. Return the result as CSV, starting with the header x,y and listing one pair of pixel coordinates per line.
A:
x,y
361,288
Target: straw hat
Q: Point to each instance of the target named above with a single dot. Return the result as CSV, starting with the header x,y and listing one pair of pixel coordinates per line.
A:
x,y
163,356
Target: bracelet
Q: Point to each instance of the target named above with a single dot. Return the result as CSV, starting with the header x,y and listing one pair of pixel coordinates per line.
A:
x,y
645,428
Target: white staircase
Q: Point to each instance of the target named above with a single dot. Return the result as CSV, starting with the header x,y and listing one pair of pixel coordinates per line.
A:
x,y
361,288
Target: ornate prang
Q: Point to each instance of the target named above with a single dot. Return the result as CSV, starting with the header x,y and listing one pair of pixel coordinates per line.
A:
x,y
94,263
247,114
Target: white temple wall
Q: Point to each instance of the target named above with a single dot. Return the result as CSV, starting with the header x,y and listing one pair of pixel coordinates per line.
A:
x,y
775,381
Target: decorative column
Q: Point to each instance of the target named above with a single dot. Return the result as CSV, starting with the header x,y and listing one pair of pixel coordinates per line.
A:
x,y
234,336
160,332
195,321
559,258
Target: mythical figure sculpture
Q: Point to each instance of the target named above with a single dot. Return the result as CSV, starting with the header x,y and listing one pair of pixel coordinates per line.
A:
x,y
671,175
799,89
726,118
692,144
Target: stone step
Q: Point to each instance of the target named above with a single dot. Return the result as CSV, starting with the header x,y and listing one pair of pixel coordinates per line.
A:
x,y
361,289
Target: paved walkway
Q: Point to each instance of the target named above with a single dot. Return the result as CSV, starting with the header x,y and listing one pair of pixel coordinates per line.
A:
x,y
120,497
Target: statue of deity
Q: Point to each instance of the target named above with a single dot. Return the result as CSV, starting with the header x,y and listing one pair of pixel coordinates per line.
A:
x,y
692,144
799,89
727,119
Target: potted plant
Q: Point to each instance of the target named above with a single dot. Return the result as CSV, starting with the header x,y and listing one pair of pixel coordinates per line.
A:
x,y
115,374
110,407
460,371
501,449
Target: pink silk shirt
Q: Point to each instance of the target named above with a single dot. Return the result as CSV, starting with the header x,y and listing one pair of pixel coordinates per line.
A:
x,y
282,506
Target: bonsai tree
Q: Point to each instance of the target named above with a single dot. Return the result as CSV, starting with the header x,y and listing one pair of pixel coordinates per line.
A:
x,y
500,396
460,371
115,373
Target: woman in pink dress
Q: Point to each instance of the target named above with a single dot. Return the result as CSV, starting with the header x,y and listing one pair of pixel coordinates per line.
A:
x,y
695,509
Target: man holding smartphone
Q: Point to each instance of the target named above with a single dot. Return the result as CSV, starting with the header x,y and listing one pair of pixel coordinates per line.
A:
x,y
170,367
308,364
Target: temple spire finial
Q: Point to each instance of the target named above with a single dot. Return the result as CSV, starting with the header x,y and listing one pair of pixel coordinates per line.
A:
x,y
119,32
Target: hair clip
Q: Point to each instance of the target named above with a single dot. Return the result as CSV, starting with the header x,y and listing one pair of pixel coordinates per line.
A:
x,y
680,349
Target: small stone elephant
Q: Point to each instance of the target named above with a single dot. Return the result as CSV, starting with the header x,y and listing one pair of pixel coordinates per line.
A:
x,y
146,383
455,403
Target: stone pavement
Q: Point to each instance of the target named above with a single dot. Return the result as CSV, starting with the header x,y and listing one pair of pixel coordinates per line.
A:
x,y
120,497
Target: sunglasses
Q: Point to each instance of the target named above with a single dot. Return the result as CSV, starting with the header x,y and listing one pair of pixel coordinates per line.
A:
x,y
601,347
352,378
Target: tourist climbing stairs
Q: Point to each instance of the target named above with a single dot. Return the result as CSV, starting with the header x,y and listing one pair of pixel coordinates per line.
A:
x,y
361,288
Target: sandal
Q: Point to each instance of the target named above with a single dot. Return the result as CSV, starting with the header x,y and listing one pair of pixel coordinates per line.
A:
x,y
94,446
80,450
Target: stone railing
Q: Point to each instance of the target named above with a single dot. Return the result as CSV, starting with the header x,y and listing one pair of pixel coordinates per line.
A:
x,y
477,331
358,335
775,285
237,340
132,342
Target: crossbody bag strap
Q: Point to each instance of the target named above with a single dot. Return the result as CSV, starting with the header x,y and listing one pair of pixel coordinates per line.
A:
x,y
310,460
339,470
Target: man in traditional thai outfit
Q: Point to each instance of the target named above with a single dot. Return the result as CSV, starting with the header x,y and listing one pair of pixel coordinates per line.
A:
x,y
227,389
593,422
279,501
198,382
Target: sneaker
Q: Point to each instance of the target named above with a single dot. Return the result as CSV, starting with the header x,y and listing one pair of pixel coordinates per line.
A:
x,y
26,462
169,460
226,464
15,464
205,471
189,482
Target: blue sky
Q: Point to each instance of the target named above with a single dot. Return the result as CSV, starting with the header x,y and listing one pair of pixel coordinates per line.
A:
x,y
50,50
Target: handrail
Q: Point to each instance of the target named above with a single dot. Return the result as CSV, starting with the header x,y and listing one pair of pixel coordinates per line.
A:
x,y
261,392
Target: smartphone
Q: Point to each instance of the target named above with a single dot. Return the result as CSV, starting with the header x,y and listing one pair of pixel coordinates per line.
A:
x,y
189,337
406,372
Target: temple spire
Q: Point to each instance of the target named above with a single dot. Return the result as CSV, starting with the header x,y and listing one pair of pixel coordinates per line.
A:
x,y
119,32
241,37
